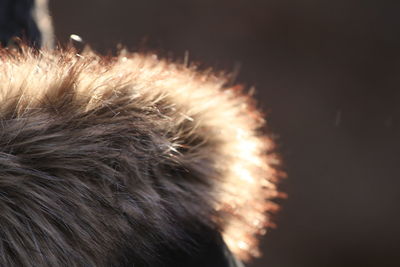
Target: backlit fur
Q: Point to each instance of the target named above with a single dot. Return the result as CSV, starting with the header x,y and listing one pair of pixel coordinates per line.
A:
x,y
101,158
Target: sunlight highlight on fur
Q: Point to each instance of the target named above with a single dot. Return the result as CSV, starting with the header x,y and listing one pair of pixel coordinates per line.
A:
x,y
190,121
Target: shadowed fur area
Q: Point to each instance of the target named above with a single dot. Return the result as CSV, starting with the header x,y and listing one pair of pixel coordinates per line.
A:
x,y
111,161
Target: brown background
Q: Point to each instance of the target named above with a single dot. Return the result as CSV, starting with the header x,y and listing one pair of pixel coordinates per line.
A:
x,y
327,73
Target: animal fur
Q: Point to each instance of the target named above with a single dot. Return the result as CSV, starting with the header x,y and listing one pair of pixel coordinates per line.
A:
x,y
104,160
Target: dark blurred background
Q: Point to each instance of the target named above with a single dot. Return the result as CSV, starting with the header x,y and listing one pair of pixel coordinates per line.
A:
x,y
326,73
